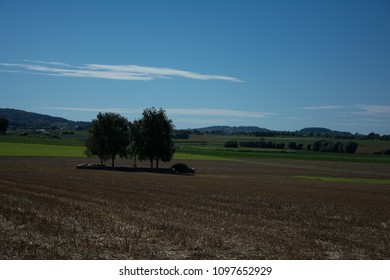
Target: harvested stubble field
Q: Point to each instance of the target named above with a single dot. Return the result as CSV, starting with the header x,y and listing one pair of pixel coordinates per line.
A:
x,y
249,209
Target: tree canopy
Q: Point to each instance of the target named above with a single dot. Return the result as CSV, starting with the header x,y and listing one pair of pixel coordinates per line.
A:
x,y
156,133
109,136
134,150
149,138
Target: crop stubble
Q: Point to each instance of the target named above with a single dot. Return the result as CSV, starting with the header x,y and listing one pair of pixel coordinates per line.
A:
x,y
249,209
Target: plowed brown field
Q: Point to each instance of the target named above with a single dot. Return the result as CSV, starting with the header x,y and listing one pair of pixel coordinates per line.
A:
x,y
249,209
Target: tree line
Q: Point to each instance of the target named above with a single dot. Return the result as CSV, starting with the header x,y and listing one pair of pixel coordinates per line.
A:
x,y
333,146
317,146
254,144
149,138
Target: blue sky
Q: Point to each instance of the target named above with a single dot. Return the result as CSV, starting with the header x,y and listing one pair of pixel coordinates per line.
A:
x,y
282,65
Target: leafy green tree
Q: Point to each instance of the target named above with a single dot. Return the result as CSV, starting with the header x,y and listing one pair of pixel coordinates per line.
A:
x,y
292,145
231,144
3,125
350,147
280,145
156,134
324,146
373,136
317,145
108,137
134,149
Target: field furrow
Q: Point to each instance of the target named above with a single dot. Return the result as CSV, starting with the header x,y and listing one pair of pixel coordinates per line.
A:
x,y
254,209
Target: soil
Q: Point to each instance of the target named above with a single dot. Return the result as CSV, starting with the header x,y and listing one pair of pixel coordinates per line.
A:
x,y
245,209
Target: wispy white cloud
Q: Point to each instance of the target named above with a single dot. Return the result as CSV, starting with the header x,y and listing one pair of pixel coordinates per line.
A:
x,y
360,109
175,111
218,112
9,71
323,107
56,63
198,122
369,109
96,110
297,118
156,72
113,72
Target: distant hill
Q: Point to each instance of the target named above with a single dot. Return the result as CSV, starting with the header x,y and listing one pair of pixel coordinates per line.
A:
x,y
254,130
320,131
28,120
231,129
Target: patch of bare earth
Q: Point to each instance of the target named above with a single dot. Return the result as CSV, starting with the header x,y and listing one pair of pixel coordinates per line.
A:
x,y
254,209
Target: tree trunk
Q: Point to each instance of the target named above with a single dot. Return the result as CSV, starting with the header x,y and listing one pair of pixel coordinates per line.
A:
x,y
157,163
101,161
135,161
113,160
151,163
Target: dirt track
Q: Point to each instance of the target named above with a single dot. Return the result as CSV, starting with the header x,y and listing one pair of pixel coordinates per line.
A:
x,y
252,209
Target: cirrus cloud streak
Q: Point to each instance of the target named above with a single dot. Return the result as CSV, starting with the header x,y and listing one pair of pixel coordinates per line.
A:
x,y
360,109
113,72
175,111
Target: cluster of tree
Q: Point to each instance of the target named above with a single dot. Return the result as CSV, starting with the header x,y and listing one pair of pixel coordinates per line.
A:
x,y
386,152
215,132
294,146
333,146
267,133
317,132
301,133
149,138
314,132
3,125
231,144
375,136
262,144
383,152
254,144
317,146
181,134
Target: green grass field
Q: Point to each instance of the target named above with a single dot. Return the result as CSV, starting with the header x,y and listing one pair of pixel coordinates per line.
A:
x,y
203,147
67,140
234,153
190,153
231,209
27,149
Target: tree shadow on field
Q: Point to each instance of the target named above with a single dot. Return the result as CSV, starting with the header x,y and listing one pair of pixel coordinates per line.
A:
x,y
131,169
